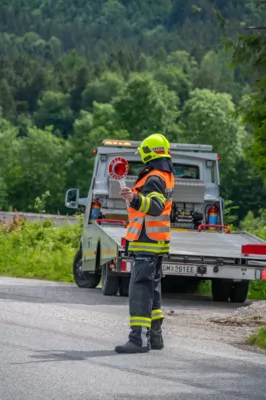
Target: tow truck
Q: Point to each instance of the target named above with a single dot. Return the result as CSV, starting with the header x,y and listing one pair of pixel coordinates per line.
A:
x,y
201,246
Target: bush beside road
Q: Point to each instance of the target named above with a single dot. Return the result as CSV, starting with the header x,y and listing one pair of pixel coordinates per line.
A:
x,y
38,249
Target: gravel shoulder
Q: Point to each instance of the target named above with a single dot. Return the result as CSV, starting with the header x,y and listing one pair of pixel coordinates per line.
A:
x,y
230,326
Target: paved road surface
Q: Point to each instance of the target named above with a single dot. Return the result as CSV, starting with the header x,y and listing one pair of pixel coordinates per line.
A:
x,y
56,343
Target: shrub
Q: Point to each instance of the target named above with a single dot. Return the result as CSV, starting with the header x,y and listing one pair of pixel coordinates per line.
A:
x,y
39,249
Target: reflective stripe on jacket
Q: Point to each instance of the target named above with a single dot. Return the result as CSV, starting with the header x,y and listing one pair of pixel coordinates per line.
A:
x,y
157,228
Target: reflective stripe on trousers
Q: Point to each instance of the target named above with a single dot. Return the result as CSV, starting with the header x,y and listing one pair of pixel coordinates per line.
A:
x,y
140,321
157,314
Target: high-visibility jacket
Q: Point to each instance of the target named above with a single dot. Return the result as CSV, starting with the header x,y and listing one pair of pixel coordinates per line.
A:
x,y
156,228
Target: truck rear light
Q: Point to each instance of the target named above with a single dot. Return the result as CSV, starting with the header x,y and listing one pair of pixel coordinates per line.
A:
x,y
126,266
260,274
258,249
112,266
123,242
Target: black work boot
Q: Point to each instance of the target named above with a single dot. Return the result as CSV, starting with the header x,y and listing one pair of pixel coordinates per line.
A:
x,y
139,342
131,348
156,334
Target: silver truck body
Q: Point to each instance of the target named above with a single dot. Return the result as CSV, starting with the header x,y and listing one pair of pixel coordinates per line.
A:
x,y
206,255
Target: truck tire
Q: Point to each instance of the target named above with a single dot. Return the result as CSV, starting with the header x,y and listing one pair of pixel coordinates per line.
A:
x,y
109,282
84,279
239,292
123,286
221,289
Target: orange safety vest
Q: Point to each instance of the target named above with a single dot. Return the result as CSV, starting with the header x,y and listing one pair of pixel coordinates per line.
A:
x,y
157,228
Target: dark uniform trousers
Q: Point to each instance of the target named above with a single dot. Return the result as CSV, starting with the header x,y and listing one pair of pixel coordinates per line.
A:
x,y
144,297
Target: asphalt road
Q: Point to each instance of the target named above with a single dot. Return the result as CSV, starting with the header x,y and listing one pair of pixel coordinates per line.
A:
x,y
56,343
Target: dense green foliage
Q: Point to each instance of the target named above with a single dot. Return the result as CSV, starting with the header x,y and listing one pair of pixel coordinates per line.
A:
x,y
250,51
98,29
48,251
74,73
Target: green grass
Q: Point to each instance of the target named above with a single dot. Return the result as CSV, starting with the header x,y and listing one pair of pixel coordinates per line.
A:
x,y
257,290
204,288
258,339
39,250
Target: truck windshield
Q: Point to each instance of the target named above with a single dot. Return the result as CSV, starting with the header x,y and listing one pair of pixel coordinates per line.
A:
x,y
184,171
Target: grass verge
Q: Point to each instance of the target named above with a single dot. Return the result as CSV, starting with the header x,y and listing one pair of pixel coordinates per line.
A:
x,y
258,339
38,250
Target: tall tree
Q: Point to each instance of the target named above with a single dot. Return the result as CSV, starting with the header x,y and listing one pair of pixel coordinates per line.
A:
x,y
8,154
207,118
40,165
54,110
102,90
90,129
175,79
146,106
250,51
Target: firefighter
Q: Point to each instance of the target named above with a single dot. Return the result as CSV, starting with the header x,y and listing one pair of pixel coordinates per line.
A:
x,y
148,236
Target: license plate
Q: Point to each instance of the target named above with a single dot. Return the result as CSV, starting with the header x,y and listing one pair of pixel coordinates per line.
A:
x,y
179,269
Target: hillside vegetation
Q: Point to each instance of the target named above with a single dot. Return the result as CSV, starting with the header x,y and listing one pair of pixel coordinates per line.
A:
x,y
75,72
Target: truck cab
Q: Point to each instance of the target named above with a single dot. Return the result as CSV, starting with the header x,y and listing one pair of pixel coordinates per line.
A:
x,y
196,183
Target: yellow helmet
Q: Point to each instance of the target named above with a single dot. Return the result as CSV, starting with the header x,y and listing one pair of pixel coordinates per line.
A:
x,y
153,147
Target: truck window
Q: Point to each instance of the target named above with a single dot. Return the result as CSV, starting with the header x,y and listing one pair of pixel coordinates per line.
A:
x,y
181,170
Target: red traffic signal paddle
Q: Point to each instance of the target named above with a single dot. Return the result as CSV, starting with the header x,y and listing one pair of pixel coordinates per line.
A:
x,y
118,170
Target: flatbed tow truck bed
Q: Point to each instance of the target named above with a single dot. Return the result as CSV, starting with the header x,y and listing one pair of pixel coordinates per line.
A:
x,y
200,244
203,255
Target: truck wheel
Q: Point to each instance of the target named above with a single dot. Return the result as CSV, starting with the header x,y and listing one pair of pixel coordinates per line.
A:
x,y
123,287
109,282
83,279
239,292
221,289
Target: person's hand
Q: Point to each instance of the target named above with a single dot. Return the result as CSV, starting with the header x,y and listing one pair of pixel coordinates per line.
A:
x,y
126,194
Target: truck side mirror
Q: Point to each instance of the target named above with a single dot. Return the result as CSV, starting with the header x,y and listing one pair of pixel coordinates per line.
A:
x,y
72,197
